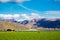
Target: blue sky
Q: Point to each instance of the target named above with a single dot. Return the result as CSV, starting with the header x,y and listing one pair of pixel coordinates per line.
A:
x,y
43,8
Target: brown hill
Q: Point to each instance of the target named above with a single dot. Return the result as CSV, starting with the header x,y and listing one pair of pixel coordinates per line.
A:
x,y
13,26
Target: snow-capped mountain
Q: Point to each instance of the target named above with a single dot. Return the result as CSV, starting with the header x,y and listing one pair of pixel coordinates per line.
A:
x,y
43,22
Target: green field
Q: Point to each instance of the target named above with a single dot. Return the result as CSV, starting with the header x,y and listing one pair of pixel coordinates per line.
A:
x,y
30,35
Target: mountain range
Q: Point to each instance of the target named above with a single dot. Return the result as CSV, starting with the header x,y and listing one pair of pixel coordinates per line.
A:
x,y
43,22
28,24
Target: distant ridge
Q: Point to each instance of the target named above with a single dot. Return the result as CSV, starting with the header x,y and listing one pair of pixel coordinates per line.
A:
x,y
30,24
13,26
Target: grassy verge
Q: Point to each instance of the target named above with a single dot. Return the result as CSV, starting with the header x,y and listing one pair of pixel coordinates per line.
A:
x,y
30,35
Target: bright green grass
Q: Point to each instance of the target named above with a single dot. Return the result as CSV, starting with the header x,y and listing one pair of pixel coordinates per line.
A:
x,y
29,35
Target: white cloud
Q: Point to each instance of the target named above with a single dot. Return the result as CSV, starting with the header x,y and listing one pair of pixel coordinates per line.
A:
x,y
31,16
6,16
21,1
9,16
16,15
36,16
5,0
18,1
25,16
53,12
20,17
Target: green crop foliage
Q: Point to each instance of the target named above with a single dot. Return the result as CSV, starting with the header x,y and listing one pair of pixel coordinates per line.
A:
x,y
30,35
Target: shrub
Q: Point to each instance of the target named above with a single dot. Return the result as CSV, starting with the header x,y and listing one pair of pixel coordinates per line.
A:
x,y
9,30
